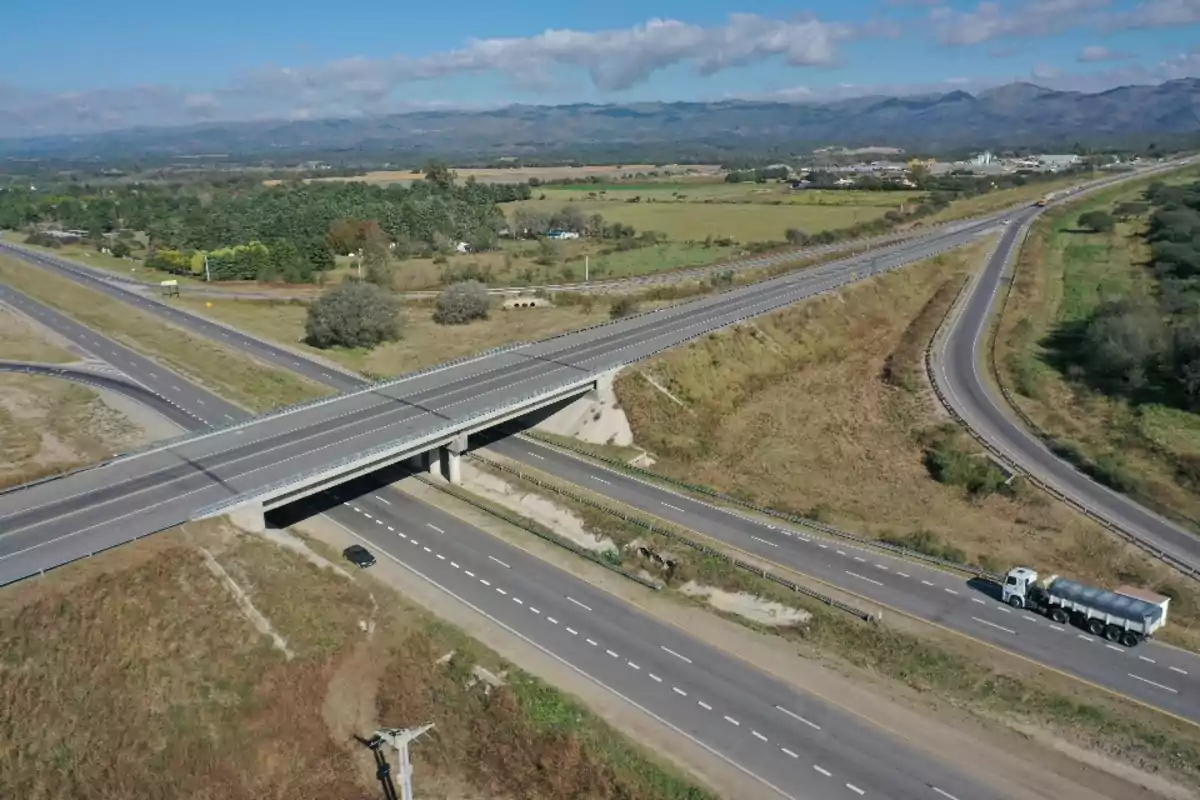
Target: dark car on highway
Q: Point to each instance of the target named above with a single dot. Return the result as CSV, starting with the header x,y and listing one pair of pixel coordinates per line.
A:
x,y
359,556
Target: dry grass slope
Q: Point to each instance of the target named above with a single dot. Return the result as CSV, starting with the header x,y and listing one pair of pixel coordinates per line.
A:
x,y
135,675
822,409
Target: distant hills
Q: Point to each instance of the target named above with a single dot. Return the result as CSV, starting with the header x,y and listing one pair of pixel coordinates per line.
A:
x,y
1018,113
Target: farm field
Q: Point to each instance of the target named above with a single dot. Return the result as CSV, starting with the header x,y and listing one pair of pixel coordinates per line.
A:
x,y
523,174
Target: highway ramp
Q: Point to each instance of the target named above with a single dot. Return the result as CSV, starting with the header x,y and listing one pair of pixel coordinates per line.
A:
x,y
961,371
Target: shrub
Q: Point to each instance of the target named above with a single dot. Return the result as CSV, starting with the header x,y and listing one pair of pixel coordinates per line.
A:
x,y
1098,221
623,306
462,303
353,314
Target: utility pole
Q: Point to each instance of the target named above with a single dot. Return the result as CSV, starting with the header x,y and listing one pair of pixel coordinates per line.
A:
x,y
207,277
585,269
400,739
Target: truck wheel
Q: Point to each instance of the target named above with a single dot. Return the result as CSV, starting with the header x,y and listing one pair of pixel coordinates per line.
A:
x,y
1112,633
1095,627
1059,615
1129,639
1015,602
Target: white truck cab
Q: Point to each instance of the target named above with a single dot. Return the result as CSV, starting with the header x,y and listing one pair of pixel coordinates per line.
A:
x,y
1017,584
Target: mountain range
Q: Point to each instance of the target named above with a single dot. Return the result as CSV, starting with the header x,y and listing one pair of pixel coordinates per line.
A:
x,y
1011,115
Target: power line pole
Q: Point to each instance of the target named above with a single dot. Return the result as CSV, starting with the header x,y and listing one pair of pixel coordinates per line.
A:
x,y
400,739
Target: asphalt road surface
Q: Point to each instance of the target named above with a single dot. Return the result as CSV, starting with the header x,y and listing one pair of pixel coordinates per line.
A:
x,y
57,521
961,373
1158,675
797,745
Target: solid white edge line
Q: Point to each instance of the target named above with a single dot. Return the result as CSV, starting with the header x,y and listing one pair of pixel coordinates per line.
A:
x,y
574,668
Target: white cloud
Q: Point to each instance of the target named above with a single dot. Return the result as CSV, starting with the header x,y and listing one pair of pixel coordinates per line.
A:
x,y
1096,52
1154,14
993,20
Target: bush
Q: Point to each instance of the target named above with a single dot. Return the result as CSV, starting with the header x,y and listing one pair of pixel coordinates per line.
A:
x,y
623,306
120,249
926,542
353,314
462,303
1098,221
952,465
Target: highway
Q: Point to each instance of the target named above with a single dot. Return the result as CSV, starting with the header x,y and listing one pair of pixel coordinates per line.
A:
x,y
795,744
1154,674
960,370
56,521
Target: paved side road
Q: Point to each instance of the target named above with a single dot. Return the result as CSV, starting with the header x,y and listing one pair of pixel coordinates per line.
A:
x,y
960,371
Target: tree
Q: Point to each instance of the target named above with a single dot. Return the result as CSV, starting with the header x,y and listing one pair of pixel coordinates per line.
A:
x,y
120,249
1126,210
353,314
439,175
462,303
623,306
1098,221
796,236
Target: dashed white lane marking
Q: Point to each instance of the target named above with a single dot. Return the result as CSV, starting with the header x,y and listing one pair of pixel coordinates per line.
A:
x,y
455,565
434,527
704,705
1028,618
365,514
176,388
576,602
572,631
673,508
600,480
471,574
498,561
672,652
1004,609
863,578
758,735
426,549
612,654
552,620
1152,683
678,691
927,583
994,625
861,560
731,720
501,591
535,455
854,788
632,665
228,417
1177,669
1058,627
440,556
902,575
390,528
880,566
592,643
943,794
950,591
534,610
977,600
796,716
789,752
485,582
822,770
654,677
198,400
382,500
1148,660
1114,647
764,541
823,546
1085,638
840,552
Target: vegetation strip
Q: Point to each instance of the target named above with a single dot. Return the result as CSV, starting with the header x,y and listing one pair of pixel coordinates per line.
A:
x,y
812,524
523,524
670,533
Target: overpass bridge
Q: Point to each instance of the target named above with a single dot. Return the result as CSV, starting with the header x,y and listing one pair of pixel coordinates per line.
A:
x,y
252,466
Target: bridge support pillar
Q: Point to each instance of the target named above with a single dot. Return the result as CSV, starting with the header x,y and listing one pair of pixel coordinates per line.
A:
x,y
452,459
249,517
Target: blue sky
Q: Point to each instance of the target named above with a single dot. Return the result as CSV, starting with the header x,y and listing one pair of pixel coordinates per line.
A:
x,y
126,62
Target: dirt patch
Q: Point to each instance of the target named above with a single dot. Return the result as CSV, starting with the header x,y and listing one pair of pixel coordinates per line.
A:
x,y
596,417
748,606
534,506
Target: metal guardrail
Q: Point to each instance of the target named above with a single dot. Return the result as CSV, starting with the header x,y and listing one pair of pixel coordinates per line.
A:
x,y
684,540
794,519
1127,536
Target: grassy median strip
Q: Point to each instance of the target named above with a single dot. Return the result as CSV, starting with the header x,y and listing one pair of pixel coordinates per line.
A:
x,y
228,373
937,663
